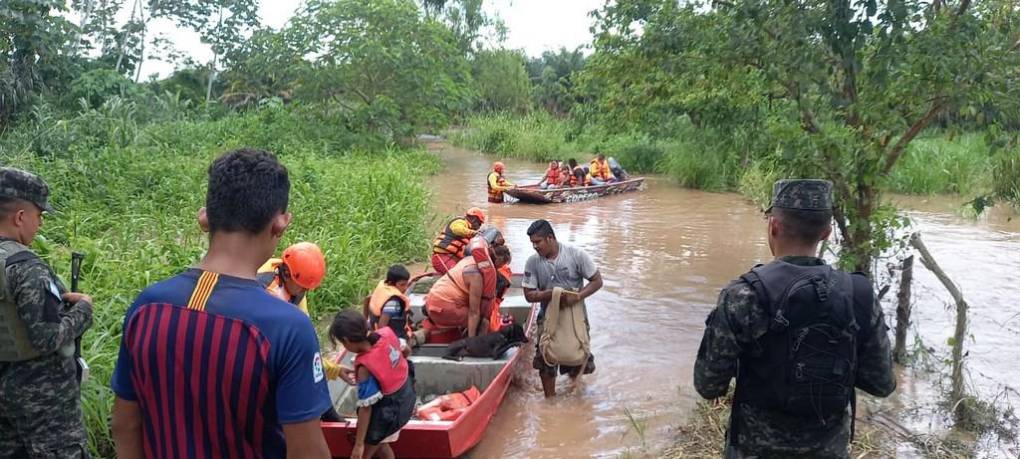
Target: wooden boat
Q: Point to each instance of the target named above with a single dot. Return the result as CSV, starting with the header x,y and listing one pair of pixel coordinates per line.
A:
x,y
436,376
532,194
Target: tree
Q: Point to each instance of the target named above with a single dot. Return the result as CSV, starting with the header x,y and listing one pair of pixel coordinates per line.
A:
x,y
32,37
392,70
553,78
830,88
502,81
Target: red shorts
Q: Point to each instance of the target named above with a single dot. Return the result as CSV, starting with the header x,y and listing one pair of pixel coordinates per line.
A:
x,y
443,262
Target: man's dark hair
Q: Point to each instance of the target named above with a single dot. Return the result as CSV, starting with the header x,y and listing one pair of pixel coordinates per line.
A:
x,y
247,188
805,226
397,273
8,205
541,228
572,162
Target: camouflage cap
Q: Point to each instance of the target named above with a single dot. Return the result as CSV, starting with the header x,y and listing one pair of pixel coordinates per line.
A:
x,y
802,194
19,184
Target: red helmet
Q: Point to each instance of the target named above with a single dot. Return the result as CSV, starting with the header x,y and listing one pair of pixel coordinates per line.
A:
x,y
305,263
498,166
477,213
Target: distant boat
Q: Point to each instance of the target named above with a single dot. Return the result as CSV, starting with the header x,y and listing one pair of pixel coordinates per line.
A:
x,y
533,194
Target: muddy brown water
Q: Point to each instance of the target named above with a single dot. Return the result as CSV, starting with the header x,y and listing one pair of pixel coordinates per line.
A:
x,y
664,254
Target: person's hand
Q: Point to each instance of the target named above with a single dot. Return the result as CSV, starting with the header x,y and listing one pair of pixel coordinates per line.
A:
x,y
75,297
358,451
348,376
333,369
569,298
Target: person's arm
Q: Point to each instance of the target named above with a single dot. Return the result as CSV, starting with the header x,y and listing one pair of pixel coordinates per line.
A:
x,y
874,354
126,424
594,284
49,327
304,439
533,295
474,281
720,347
301,393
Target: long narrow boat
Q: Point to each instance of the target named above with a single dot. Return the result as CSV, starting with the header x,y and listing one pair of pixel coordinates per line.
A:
x,y
532,194
436,376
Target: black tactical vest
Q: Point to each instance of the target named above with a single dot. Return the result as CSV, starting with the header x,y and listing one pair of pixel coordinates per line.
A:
x,y
804,365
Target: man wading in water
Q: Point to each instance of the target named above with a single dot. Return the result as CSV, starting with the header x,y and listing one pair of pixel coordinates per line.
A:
x,y
798,335
557,265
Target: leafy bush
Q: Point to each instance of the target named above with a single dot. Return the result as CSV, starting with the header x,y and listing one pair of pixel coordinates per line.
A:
x,y
97,86
129,202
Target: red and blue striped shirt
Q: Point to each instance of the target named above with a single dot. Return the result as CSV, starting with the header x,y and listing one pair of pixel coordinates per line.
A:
x,y
217,365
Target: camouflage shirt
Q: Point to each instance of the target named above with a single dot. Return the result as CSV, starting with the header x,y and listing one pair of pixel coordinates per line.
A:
x,y
734,327
40,406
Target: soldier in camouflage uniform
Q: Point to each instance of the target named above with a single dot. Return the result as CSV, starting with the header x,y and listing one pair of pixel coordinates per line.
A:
x,y
797,335
40,403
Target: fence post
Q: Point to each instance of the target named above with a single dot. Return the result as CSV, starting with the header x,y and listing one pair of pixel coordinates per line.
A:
x,y
903,310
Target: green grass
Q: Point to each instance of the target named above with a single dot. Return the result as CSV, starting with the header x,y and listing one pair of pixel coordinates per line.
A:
x,y
700,158
938,164
129,200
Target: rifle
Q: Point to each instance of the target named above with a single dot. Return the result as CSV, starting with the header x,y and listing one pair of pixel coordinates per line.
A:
x,y
82,367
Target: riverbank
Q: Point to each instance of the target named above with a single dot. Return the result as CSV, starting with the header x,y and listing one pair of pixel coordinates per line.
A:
x,y
935,163
128,195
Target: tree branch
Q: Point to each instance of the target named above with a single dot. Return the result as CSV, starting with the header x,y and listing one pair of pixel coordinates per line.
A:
x,y
897,150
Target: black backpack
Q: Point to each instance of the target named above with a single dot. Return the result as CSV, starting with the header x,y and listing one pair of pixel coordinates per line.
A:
x,y
805,364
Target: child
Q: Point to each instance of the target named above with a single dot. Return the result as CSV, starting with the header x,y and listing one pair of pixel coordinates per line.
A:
x,y
383,377
389,306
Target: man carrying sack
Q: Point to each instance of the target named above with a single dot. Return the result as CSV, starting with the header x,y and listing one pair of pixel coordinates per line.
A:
x,y
555,277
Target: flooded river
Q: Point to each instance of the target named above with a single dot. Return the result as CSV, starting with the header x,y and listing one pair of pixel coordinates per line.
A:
x,y
664,254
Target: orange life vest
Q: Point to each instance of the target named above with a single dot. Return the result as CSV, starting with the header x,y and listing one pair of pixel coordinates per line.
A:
x,y
447,242
495,317
385,362
449,407
382,293
494,194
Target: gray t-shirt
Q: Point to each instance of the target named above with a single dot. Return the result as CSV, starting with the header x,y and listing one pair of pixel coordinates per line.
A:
x,y
571,267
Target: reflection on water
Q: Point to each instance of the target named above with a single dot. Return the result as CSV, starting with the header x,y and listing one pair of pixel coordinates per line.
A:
x,y
664,254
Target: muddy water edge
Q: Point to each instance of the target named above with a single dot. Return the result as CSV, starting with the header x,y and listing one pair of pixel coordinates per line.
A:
x,y
664,254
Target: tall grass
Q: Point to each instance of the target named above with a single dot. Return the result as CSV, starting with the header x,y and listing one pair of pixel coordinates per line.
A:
x,y
718,161
130,200
938,164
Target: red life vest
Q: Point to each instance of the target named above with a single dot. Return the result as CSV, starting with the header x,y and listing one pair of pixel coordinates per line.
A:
x,y
495,196
552,176
449,407
385,362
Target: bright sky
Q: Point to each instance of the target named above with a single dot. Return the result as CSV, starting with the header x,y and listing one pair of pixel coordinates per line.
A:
x,y
533,25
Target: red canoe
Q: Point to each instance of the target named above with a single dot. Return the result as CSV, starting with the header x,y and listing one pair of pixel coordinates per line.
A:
x,y
437,376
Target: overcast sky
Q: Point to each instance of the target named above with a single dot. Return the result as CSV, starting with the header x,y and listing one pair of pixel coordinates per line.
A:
x,y
534,26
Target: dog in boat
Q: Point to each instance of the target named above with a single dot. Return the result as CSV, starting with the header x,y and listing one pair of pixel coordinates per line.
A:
x,y
492,345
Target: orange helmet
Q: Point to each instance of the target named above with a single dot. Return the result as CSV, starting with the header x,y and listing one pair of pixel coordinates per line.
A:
x,y
305,263
477,213
498,166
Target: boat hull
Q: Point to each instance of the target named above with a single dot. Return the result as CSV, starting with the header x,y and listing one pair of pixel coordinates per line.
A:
x,y
532,194
441,439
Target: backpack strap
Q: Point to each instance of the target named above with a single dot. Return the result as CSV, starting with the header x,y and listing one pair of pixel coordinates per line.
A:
x,y
778,322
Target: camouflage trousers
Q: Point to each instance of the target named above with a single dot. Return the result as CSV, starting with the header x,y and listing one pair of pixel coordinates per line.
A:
x,y
40,409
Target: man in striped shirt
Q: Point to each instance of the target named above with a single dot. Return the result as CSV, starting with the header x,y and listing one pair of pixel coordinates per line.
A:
x,y
210,364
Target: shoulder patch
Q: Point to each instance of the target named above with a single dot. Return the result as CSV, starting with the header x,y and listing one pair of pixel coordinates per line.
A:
x,y
317,373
